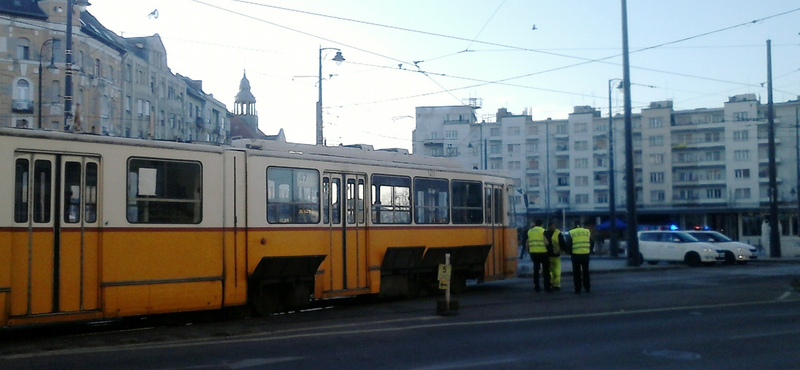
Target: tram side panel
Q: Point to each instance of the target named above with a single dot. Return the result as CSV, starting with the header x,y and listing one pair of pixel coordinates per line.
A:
x,y
162,247
235,229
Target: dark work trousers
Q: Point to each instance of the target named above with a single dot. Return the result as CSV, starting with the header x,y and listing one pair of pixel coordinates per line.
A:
x,y
580,272
541,263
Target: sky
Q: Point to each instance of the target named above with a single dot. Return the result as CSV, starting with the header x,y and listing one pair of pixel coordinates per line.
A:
x,y
537,57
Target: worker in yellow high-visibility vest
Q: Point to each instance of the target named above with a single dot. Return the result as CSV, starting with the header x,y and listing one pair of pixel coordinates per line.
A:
x,y
551,237
538,251
581,243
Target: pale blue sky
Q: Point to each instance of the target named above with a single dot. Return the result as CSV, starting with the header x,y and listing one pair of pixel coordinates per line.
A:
x,y
697,53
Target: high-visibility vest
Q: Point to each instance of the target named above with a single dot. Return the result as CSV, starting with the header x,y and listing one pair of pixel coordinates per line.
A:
x,y
536,240
580,240
555,243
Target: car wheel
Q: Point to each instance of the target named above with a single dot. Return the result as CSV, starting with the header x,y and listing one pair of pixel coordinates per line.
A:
x,y
652,263
692,259
729,258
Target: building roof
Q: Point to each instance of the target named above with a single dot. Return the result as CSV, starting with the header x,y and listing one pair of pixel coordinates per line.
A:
x,y
22,8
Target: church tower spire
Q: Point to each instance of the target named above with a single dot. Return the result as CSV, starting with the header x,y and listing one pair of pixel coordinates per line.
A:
x,y
245,104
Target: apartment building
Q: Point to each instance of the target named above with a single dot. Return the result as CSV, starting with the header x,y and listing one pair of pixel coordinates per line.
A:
x,y
120,86
693,168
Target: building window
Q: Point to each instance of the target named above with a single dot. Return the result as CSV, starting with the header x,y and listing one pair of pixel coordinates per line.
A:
x,y
714,193
713,156
581,180
495,131
656,122
580,127
741,155
532,147
742,173
451,134
561,129
713,175
741,116
514,165
563,181
581,198
581,145
494,149
513,148
740,135
656,158
601,198
712,137
657,196
513,131
532,130
656,177
657,140
742,193
582,163
23,49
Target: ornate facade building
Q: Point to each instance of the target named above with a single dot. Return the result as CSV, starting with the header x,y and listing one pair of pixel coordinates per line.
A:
x,y
120,86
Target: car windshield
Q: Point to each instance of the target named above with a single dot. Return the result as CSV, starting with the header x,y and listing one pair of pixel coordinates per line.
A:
x,y
711,237
686,238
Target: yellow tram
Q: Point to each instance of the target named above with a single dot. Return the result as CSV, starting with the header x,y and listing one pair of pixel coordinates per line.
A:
x,y
101,227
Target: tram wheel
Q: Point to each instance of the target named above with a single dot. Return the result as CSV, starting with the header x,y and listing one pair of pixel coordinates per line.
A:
x,y
265,299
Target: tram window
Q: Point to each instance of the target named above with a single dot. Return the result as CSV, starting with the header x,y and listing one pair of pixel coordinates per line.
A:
x,y
336,205
391,200
489,208
351,201
360,201
41,191
21,191
91,193
292,196
72,192
164,192
432,201
467,202
498,207
326,200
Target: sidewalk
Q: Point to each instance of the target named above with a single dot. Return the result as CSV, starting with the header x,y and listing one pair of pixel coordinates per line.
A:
x,y
605,263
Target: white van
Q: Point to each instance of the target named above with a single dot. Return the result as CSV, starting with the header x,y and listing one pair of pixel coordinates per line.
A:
x,y
677,246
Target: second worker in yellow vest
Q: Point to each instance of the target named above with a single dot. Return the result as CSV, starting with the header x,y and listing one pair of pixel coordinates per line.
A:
x,y
581,242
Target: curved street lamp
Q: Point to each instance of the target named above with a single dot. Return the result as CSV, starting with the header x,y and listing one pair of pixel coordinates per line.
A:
x,y
51,67
80,5
338,59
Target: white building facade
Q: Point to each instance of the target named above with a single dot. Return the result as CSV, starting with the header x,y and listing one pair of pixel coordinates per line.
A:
x,y
694,168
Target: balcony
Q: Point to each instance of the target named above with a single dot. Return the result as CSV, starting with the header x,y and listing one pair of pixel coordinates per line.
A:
x,y
22,106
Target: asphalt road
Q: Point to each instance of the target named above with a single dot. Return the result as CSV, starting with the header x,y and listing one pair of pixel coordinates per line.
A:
x,y
722,317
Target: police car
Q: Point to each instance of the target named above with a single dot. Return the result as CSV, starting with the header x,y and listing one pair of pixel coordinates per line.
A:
x,y
677,246
735,252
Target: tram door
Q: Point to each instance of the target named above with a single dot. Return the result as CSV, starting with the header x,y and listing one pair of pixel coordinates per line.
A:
x,y
344,213
55,267
493,195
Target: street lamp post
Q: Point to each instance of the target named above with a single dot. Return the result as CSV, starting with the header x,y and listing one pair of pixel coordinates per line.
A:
x,y
612,190
338,59
51,67
81,6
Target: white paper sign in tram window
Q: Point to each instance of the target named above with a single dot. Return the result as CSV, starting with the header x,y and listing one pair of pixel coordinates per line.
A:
x,y
147,181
